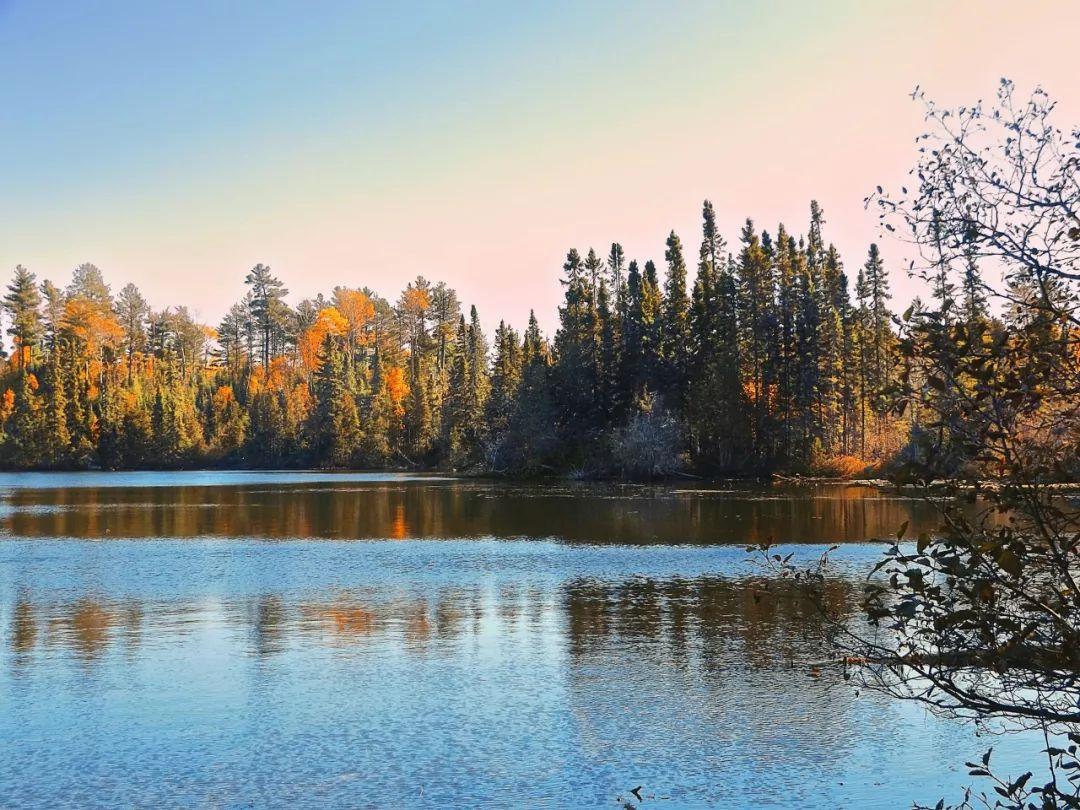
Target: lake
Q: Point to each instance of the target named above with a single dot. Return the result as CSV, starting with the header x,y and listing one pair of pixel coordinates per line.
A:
x,y
369,640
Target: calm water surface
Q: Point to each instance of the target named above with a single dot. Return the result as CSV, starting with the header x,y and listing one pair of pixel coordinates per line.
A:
x,y
291,639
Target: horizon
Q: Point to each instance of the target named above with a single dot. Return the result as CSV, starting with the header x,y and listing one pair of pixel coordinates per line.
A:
x,y
176,148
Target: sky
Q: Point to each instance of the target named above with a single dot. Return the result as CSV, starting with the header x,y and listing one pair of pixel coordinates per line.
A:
x,y
177,144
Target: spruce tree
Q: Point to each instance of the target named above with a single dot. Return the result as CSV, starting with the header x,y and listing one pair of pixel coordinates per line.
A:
x,y
652,357
57,449
675,325
336,418
757,338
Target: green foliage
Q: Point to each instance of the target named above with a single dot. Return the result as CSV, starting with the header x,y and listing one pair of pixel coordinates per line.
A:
x,y
762,365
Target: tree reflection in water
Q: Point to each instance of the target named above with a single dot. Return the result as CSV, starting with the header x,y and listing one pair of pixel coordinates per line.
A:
x,y
456,509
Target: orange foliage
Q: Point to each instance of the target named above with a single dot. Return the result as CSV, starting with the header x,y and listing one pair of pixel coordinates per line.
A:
x,y
272,380
358,310
843,467
92,324
299,403
21,357
397,388
329,321
415,301
7,405
768,395
223,397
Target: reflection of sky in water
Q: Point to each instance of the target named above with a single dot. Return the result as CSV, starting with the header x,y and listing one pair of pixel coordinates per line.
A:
x,y
439,673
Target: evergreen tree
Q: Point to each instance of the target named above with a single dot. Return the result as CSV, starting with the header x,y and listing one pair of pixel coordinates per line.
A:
x,y
57,447
675,325
715,406
88,283
651,330
336,428
132,310
23,303
34,436
975,308
53,310
576,353
267,307
633,337
765,365
506,377
757,338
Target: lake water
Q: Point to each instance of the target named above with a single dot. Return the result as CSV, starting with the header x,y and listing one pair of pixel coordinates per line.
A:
x,y
292,639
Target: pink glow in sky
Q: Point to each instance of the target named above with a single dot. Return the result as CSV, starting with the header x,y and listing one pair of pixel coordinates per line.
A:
x,y
473,145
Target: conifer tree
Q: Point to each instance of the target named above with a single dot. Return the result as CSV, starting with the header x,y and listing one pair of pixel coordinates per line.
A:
x,y
633,337
651,331
506,378
715,407
132,310
675,325
576,352
53,301
267,293
88,283
757,337
616,266
57,449
336,418
765,365
23,303
975,309
30,432
877,286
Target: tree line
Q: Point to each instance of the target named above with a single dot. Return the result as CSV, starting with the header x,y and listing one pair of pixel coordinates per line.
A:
x,y
769,360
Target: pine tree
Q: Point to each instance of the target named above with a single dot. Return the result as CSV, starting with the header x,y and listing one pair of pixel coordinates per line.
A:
x,y
267,293
53,311
88,283
766,364
132,309
23,303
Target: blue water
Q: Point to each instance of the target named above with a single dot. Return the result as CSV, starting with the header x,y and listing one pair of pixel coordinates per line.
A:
x,y
232,672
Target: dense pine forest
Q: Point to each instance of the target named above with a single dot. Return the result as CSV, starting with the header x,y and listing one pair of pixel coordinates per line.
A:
x,y
768,360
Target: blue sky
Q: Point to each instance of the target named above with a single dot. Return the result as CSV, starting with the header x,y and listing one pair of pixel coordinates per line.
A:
x,y
176,144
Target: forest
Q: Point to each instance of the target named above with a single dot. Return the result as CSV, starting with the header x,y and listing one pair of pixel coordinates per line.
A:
x,y
769,361
765,362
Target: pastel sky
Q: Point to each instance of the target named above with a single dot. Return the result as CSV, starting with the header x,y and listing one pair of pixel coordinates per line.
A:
x,y
176,144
